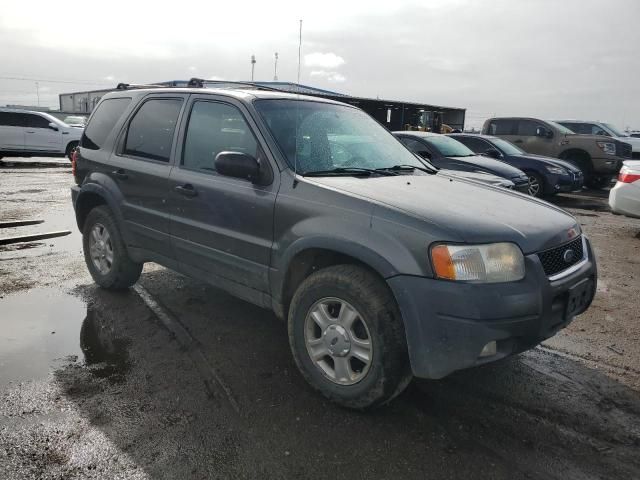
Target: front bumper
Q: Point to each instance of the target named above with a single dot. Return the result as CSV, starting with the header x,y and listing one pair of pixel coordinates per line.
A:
x,y
447,323
566,183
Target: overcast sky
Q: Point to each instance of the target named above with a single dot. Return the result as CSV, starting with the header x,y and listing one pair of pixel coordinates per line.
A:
x,y
544,58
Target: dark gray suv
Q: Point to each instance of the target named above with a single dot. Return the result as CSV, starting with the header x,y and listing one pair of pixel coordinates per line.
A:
x,y
382,267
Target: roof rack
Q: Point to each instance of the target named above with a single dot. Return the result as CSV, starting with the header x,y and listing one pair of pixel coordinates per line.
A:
x,y
129,86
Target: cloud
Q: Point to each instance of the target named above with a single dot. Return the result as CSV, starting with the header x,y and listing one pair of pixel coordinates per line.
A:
x,y
333,77
323,60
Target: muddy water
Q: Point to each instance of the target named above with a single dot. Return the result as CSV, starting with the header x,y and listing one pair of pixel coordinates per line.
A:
x,y
39,330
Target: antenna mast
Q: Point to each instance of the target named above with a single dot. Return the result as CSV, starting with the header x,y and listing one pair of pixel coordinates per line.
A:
x,y
253,65
275,68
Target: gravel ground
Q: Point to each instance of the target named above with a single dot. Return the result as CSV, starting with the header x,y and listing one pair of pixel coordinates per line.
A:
x,y
175,379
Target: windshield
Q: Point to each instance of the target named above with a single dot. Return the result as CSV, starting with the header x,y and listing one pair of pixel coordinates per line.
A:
x,y
507,148
316,136
448,147
564,130
615,131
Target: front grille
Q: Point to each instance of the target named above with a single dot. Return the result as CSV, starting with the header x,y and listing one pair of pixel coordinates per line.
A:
x,y
624,150
553,260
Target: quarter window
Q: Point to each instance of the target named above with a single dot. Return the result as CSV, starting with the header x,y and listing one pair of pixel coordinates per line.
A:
x,y
102,122
213,128
151,130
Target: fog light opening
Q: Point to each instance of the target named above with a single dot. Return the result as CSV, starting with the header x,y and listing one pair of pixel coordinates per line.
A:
x,y
489,349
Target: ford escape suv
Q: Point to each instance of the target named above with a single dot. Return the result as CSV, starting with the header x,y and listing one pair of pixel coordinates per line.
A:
x,y
381,267
599,157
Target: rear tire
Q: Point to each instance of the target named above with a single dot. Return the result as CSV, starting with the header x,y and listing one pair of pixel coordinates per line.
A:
x,y
358,358
105,253
70,148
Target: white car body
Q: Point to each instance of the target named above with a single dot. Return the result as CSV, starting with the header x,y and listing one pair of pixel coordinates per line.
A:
x,y
27,133
624,197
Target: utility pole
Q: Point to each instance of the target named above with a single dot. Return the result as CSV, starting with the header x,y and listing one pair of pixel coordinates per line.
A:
x,y
38,92
253,65
275,68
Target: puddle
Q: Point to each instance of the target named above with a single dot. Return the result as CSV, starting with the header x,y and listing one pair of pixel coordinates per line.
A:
x,y
42,329
38,329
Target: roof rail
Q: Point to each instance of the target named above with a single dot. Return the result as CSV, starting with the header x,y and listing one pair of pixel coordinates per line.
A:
x,y
130,86
201,83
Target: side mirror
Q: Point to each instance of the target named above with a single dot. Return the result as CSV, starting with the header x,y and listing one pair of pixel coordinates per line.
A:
x,y
53,126
493,153
543,132
238,165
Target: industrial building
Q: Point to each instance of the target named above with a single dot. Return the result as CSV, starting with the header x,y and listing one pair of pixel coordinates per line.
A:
x,y
394,114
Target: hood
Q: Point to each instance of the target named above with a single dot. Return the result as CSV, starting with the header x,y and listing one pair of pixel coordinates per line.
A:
x,y
556,162
494,166
477,213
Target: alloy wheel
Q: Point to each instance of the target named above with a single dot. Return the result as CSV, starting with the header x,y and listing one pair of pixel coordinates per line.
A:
x,y
101,248
338,341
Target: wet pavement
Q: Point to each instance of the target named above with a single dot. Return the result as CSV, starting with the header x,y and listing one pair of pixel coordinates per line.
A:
x,y
176,379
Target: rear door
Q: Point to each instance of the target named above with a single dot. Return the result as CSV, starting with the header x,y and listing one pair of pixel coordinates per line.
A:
x,y
140,166
39,136
11,131
222,227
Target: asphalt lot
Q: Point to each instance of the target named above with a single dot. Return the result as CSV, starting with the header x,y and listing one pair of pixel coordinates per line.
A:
x,y
176,379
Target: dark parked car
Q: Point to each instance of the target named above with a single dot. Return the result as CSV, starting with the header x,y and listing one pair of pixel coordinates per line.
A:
x,y
381,268
547,176
445,152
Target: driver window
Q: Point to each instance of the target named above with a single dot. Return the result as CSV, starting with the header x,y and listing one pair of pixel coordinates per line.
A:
x,y
416,147
213,128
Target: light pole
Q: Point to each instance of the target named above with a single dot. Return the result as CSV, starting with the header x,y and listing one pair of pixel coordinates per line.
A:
x,y
253,65
275,68
38,92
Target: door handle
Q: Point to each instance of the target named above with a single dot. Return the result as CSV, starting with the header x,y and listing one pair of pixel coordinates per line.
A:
x,y
29,131
517,141
120,174
187,190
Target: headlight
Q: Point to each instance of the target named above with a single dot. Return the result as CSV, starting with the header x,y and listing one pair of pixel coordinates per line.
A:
x,y
490,263
607,147
556,170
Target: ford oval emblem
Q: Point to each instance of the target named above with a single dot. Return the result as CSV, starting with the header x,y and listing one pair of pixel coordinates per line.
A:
x,y
568,255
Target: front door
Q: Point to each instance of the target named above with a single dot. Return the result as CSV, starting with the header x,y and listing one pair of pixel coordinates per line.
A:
x,y
222,227
141,165
39,136
11,131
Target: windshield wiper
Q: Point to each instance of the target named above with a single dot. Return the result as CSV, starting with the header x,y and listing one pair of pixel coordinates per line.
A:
x,y
407,168
347,171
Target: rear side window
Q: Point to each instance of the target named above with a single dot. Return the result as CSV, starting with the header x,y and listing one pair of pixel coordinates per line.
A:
x,y
12,119
502,127
214,128
102,122
150,133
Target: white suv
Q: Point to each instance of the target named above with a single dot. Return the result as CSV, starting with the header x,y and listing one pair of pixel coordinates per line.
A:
x,y
26,133
601,128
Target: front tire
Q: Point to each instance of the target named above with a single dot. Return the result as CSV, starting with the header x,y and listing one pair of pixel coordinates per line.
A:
x,y
347,337
105,253
536,185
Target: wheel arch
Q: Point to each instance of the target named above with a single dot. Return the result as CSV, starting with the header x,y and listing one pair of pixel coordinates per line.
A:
x,y
581,157
311,255
91,196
